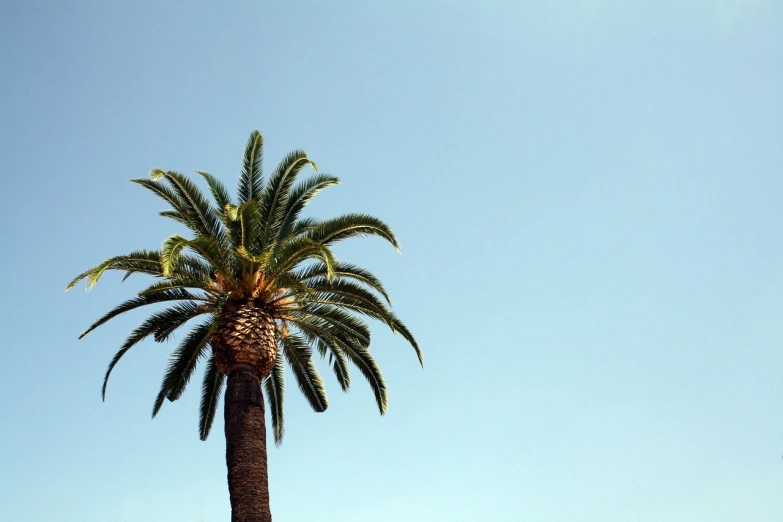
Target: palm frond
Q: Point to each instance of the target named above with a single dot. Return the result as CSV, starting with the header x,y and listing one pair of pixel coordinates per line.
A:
x,y
146,261
351,225
170,251
302,226
176,316
331,318
249,217
164,321
181,282
196,207
274,201
274,385
339,363
213,252
182,363
300,196
176,294
299,357
250,180
363,359
398,326
298,250
344,270
345,294
211,389
176,215
219,191
180,212
339,290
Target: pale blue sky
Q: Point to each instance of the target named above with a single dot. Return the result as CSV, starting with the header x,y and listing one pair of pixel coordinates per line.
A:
x,y
588,197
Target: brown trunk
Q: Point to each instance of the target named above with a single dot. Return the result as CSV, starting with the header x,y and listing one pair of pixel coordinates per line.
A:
x,y
248,483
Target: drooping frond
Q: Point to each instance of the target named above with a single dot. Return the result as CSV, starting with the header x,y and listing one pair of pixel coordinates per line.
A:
x,y
183,282
160,325
354,350
363,359
274,385
145,261
299,356
338,361
345,294
344,270
182,363
211,389
331,318
250,180
143,300
176,316
351,225
398,326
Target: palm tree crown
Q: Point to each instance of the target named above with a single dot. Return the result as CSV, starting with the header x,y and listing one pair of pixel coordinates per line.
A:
x,y
265,281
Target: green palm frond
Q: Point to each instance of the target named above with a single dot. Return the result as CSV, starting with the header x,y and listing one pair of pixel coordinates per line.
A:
x,y
251,180
302,226
345,294
351,225
183,361
176,215
363,359
331,318
344,270
211,389
274,201
170,251
299,250
299,357
249,217
181,282
212,252
161,324
219,192
145,261
175,317
338,288
198,210
175,294
300,196
274,385
338,361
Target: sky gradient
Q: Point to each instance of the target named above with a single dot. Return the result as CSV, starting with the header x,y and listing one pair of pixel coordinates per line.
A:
x,y
588,198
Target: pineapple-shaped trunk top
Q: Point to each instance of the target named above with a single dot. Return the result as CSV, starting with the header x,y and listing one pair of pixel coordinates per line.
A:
x,y
245,335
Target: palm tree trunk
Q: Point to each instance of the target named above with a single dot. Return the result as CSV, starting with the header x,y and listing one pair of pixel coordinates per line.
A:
x,y
248,483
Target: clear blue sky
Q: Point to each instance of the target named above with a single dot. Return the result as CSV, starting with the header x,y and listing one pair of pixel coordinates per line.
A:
x,y
588,196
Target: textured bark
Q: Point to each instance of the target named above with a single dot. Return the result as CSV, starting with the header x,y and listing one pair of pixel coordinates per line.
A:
x,y
248,482
245,335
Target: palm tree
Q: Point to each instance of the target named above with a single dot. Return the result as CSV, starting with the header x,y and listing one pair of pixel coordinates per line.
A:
x,y
269,289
